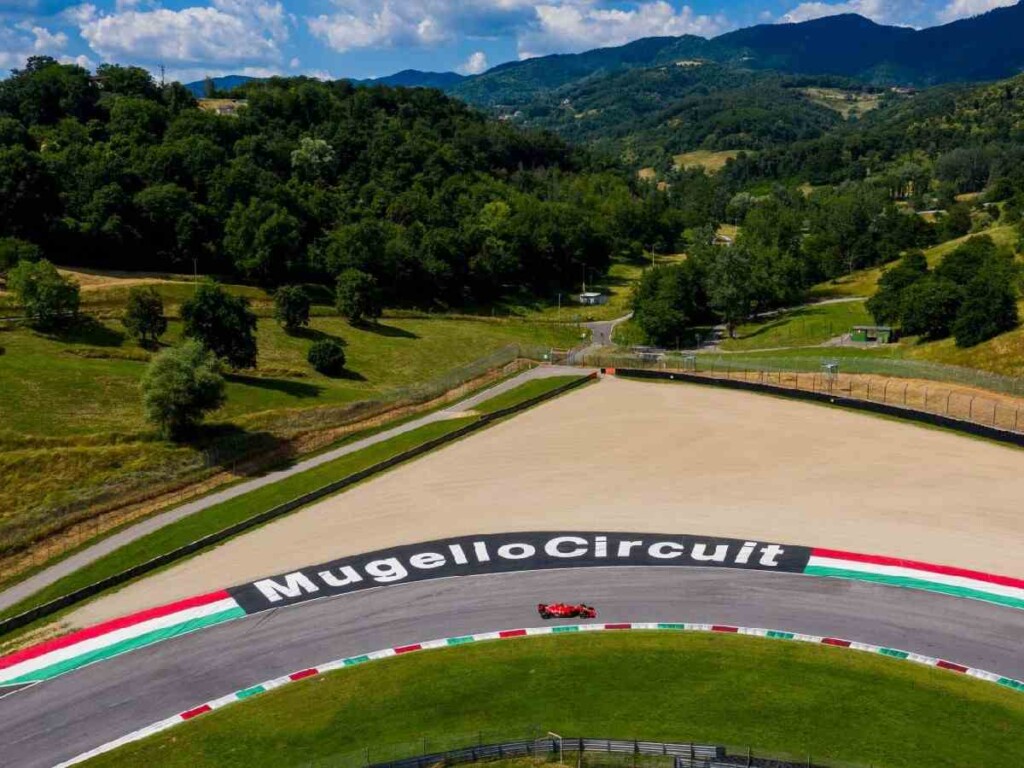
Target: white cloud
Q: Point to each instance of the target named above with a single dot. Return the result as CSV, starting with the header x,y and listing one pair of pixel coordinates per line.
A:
x,y
577,26
539,26
47,42
475,64
23,40
959,9
231,32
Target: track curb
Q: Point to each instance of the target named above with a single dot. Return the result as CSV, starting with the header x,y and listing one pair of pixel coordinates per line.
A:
x,y
104,641
509,634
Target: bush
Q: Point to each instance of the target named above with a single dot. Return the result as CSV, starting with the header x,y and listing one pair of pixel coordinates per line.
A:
x,y
291,307
49,299
327,357
180,386
222,323
144,314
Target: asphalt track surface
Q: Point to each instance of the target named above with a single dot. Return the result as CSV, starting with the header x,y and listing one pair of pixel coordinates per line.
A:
x,y
48,576
59,719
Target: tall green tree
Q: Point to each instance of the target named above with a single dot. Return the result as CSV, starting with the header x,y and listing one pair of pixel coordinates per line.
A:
x,y
144,314
730,285
181,385
357,297
989,305
223,323
48,298
291,307
886,306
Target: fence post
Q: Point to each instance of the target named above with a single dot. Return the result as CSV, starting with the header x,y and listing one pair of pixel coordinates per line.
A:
x,y
885,391
949,395
1016,418
970,409
926,398
905,392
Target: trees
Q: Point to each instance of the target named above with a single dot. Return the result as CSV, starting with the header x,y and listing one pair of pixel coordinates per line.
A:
x,y
668,300
144,314
222,323
930,307
263,240
327,356
13,250
181,385
291,307
989,304
886,306
357,297
49,299
729,285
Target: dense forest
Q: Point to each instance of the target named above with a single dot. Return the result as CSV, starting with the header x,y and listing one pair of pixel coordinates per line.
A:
x,y
440,204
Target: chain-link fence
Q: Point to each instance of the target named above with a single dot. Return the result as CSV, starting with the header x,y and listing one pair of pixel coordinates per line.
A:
x,y
891,383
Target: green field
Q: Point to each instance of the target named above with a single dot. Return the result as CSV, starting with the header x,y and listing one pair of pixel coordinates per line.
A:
x,y
802,327
829,703
73,437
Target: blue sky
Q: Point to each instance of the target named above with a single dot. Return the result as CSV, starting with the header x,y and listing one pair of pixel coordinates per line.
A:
x,y
367,38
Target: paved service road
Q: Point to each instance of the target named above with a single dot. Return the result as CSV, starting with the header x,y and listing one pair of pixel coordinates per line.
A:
x,y
64,717
48,576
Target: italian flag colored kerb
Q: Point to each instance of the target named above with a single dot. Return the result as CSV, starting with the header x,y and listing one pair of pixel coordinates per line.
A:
x,y
53,658
104,641
1001,590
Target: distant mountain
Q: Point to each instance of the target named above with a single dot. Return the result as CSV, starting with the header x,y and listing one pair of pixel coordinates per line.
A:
x,y
226,84
413,78
985,47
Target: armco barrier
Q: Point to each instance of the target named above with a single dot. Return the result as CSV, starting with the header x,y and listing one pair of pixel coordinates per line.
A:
x,y
66,601
908,414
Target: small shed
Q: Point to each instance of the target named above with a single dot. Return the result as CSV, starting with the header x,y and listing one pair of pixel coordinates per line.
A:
x,y
879,334
593,298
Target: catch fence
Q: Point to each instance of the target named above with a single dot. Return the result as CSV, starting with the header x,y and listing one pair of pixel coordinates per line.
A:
x,y
908,394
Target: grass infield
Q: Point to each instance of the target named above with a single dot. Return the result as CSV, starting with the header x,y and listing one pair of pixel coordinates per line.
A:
x,y
832,704
524,392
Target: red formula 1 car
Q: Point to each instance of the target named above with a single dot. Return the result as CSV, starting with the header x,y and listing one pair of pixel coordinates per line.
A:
x,y
566,611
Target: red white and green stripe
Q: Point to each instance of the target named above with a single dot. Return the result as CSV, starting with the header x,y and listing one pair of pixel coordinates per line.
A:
x,y
104,641
958,582
507,634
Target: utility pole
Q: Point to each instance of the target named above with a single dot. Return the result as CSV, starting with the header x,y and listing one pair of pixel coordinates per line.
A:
x,y
163,78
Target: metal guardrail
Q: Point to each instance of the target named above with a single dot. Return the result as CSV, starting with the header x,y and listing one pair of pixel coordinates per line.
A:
x,y
80,595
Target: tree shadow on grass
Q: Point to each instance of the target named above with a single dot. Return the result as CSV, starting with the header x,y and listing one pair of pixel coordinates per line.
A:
x,y
313,334
391,331
298,389
89,331
232,448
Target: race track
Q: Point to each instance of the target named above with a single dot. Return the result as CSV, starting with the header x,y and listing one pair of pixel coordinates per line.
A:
x,y
59,719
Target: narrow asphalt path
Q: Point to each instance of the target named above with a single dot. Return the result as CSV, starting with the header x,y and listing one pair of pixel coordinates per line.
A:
x,y
48,576
64,717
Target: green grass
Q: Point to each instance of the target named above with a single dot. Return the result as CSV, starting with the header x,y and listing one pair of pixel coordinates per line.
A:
x,y
523,392
235,510
802,327
73,436
808,700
